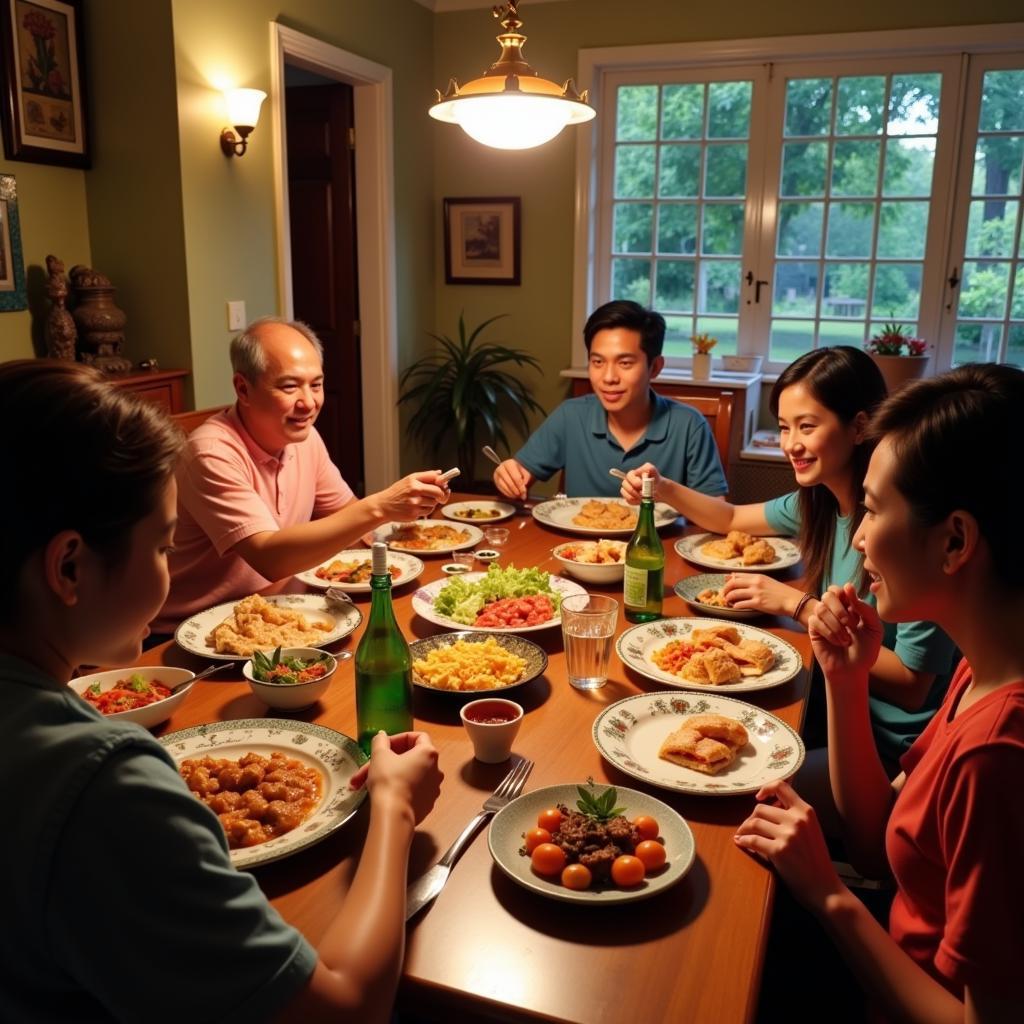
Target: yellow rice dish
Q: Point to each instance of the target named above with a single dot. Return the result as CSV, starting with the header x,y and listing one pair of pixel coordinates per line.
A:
x,y
469,666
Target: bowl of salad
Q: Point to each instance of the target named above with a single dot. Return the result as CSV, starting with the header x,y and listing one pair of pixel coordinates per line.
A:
x,y
290,678
141,695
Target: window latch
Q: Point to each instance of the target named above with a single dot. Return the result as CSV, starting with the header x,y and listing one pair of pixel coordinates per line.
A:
x,y
954,278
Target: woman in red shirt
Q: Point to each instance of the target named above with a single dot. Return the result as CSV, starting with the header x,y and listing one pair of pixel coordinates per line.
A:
x,y
941,542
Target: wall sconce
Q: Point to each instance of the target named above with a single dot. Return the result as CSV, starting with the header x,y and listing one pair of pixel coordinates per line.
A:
x,y
243,112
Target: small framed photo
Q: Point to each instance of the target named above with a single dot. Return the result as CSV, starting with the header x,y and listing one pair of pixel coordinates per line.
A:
x,y
43,82
481,240
12,266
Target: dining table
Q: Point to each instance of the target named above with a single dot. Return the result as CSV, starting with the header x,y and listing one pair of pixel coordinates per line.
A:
x,y
488,949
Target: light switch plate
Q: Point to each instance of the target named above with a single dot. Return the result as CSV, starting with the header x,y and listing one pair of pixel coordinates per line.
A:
x,y
236,315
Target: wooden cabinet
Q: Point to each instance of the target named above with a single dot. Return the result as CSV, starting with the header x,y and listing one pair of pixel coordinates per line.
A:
x,y
162,387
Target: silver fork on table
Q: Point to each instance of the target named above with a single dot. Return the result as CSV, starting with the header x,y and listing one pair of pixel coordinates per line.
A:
x,y
425,889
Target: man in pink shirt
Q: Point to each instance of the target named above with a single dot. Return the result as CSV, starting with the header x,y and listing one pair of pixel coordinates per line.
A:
x,y
258,497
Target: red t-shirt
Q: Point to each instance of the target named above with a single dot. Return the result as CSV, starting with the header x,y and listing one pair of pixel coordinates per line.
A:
x,y
955,841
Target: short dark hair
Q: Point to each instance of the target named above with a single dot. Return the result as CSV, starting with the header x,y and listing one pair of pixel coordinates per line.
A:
x,y
952,439
95,460
633,316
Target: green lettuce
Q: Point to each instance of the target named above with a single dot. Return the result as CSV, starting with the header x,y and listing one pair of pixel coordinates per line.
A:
x,y
462,601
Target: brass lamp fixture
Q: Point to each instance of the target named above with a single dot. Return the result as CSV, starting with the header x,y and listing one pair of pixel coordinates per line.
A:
x,y
510,106
243,112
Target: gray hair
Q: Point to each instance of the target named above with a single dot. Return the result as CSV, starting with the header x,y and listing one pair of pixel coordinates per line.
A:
x,y
247,355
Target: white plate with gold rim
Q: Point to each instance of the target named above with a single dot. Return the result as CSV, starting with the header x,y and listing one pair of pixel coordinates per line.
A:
x,y
467,536
787,554
409,568
478,512
560,512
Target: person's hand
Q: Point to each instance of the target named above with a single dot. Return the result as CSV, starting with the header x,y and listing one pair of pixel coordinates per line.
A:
x,y
784,830
411,497
402,768
513,479
632,486
845,632
755,590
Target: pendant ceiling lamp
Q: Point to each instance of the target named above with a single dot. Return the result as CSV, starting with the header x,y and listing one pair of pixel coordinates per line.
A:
x,y
510,106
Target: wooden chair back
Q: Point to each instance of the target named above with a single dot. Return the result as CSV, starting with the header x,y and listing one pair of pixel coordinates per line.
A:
x,y
717,410
188,421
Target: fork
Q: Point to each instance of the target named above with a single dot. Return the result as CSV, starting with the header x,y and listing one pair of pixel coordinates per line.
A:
x,y
425,889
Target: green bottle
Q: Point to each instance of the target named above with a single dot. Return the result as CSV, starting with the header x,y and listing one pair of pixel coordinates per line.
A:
x,y
383,663
644,576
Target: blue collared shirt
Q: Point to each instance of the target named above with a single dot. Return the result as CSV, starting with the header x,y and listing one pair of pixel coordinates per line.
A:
x,y
575,437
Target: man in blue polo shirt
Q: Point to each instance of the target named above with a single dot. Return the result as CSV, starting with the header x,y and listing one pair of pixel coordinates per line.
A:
x,y
623,424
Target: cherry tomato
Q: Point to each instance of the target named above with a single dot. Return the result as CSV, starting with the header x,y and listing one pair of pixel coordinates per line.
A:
x,y
535,837
576,876
550,819
548,859
650,854
627,871
646,826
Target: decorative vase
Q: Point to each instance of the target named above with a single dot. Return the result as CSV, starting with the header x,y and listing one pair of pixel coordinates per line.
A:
x,y
100,321
897,371
701,365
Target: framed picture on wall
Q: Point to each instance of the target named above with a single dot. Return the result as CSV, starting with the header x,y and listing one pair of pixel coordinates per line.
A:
x,y
481,240
43,82
12,266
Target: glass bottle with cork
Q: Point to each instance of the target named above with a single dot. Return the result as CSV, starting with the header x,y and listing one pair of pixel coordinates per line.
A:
x,y
383,663
644,575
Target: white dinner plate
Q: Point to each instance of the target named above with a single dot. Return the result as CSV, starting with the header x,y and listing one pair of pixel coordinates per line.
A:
x,y
636,645
630,732
505,839
560,512
424,598
459,511
335,755
786,554
192,633
473,536
689,588
409,566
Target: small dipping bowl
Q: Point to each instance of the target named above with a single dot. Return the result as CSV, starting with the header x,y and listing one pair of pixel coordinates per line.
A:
x,y
492,724
454,568
496,536
487,555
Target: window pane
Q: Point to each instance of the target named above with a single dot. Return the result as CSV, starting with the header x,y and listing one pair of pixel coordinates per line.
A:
x,y
990,228
997,165
897,291
682,112
796,288
836,332
850,226
1017,306
631,279
634,172
977,343
637,112
800,229
846,290
1015,347
902,230
678,330
790,339
1002,101
803,168
674,290
680,172
720,286
726,173
855,169
983,291
914,104
859,106
632,227
723,229
808,106
729,110
908,167
722,328
677,228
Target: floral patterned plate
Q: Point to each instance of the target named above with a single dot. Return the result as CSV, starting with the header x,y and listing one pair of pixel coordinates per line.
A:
x,y
466,536
333,754
560,512
689,588
478,511
409,568
630,732
636,645
692,549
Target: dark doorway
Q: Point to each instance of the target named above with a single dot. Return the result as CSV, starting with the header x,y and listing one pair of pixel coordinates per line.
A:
x,y
321,200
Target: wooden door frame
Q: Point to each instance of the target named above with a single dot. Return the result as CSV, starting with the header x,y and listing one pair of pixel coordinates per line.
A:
x,y
375,232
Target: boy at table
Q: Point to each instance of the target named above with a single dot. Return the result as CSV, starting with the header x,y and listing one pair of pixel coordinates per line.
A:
x,y
623,424
258,496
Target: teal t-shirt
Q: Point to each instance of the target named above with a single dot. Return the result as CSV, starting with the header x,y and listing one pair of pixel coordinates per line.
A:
x,y
575,437
921,646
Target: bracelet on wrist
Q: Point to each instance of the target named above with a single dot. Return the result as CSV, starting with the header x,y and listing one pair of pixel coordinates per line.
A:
x,y
800,605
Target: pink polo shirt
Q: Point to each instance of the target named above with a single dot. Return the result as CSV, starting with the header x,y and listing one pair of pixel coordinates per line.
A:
x,y
229,488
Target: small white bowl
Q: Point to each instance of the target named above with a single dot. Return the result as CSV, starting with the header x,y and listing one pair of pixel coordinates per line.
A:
x,y
487,555
152,714
492,724
742,364
292,696
590,572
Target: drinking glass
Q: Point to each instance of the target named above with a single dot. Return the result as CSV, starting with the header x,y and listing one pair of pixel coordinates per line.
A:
x,y
588,625
496,536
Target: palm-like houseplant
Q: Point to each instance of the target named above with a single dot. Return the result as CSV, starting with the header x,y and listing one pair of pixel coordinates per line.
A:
x,y
463,388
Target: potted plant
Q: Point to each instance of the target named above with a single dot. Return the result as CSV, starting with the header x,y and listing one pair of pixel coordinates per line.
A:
x,y
702,346
898,355
462,390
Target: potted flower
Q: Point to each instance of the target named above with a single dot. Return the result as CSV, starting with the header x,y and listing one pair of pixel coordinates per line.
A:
x,y
898,355
702,346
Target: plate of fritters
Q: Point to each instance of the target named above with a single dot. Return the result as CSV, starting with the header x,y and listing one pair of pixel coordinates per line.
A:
x,y
479,511
707,654
651,735
505,840
429,536
237,628
475,664
608,517
738,551
276,786
350,571
703,593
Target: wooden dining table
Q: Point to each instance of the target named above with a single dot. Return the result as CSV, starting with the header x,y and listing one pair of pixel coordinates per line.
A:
x,y
488,949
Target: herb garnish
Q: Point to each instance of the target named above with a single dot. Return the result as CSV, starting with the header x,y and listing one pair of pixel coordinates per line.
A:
x,y
599,806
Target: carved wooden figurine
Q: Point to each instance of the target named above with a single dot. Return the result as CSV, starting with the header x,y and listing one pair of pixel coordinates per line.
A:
x,y
61,334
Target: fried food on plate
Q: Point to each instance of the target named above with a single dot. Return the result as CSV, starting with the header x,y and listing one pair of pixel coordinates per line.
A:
x,y
466,665
606,515
737,544
256,625
705,743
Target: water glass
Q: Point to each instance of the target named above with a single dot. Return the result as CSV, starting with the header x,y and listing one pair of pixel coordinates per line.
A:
x,y
466,558
588,625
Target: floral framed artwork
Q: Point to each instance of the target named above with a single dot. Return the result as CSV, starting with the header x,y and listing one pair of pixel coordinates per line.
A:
x,y
43,108
12,266
481,240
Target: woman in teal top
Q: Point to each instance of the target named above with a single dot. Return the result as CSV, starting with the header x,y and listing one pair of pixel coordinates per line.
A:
x,y
823,402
